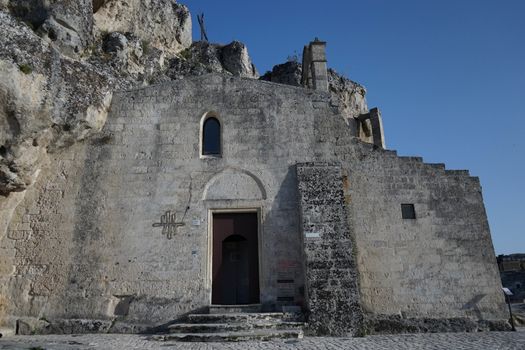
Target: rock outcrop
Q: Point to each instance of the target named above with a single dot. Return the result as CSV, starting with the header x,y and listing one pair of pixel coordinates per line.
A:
x,y
163,24
288,73
61,60
129,58
348,94
46,101
203,57
69,24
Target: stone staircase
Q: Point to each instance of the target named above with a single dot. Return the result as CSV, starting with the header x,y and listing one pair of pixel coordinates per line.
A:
x,y
437,169
235,323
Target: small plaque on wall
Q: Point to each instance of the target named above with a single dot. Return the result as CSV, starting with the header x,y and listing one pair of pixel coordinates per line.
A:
x,y
312,235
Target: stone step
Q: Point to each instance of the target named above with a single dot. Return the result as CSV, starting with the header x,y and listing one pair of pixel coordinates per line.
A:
x,y
259,335
439,166
412,159
391,153
458,172
231,327
234,309
241,317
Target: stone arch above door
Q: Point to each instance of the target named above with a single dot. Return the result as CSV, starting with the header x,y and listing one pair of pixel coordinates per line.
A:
x,y
234,184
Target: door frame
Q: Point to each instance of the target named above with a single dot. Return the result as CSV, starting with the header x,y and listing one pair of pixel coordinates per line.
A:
x,y
209,264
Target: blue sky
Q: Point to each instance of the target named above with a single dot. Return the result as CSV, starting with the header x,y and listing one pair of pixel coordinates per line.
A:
x,y
448,76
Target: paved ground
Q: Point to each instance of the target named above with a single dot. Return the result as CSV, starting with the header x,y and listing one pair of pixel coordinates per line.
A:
x,y
448,341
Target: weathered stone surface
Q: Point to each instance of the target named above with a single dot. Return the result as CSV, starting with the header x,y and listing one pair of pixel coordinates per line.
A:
x,y
439,265
349,95
263,335
130,59
315,69
163,24
331,275
288,73
203,58
69,25
234,327
29,326
235,59
46,101
395,324
115,43
30,11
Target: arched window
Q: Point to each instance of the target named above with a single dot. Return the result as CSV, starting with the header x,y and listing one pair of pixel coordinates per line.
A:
x,y
211,137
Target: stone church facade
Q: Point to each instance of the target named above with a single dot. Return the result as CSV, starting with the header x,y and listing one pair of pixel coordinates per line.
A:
x,y
224,190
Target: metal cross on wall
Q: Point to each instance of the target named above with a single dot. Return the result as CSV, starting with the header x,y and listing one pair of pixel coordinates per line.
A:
x,y
169,224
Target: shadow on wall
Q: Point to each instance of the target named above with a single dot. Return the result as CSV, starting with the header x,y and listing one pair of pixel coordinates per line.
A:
x,y
473,306
34,12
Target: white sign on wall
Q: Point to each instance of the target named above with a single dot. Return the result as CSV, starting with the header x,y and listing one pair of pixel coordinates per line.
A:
x,y
312,235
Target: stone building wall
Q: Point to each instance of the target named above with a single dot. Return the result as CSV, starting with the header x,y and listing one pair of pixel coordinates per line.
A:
x,y
82,243
440,265
86,230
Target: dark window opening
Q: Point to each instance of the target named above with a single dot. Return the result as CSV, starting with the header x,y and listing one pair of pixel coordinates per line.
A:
x,y
408,211
211,137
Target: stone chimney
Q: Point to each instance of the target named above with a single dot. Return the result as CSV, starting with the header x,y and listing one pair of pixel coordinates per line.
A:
x,y
315,71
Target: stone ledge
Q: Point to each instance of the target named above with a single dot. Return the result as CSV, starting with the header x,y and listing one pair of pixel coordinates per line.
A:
x,y
31,326
395,324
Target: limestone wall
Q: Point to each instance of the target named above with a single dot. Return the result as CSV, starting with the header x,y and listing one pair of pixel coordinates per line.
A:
x,y
83,240
439,265
331,274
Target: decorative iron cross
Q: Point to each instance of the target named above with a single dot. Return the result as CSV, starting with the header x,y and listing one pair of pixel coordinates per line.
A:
x,y
169,224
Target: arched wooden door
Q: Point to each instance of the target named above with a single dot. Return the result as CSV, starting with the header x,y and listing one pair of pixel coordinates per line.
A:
x,y
235,263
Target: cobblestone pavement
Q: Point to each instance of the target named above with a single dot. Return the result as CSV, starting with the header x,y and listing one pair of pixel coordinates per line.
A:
x,y
456,341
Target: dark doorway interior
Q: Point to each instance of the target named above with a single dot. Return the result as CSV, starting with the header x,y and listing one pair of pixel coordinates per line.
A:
x,y
235,259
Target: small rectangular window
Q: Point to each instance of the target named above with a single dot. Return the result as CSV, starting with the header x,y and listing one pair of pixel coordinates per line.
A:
x,y
408,211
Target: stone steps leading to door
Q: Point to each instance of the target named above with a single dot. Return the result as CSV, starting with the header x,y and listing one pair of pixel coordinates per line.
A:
x,y
259,335
234,326
242,317
224,309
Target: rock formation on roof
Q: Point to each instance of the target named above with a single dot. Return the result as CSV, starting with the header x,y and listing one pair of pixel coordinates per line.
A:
x,y
347,93
203,57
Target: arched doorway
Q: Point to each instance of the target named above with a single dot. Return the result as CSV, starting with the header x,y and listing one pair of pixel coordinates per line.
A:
x,y
235,259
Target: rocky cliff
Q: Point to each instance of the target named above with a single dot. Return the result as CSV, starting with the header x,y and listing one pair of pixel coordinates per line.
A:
x,y
61,60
